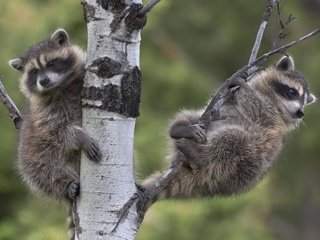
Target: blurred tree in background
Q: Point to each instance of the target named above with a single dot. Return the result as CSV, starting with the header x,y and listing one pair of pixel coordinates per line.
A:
x,y
188,48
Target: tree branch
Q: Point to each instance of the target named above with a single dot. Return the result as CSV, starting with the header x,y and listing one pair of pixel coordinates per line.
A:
x,y
281,49
267,13
283,25
12,109
211,113
147,8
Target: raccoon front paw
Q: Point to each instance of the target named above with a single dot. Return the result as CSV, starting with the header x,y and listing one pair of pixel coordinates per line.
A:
x,y
237,82
198,133
92,151
73,190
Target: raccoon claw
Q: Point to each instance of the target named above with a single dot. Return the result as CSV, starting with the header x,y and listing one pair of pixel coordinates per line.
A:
x,y
92,152
198,133
73,190
236,83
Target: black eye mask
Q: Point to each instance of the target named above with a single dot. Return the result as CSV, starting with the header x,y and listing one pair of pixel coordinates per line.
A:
x,y
286,91
60,65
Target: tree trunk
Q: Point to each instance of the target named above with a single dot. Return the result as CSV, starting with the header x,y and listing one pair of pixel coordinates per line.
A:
x,y
111,97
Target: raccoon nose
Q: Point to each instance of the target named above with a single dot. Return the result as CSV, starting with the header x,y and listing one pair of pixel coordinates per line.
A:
x,y
44,81
300,113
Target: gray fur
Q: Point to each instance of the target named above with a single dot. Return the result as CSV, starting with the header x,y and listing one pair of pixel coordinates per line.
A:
x,y
240,148
51,137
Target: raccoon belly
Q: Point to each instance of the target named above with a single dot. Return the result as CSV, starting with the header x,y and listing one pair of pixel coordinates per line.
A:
x,y
48,171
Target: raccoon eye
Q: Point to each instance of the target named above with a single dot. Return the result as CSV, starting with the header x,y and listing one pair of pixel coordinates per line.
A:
x,y
293,92
34,71
50,64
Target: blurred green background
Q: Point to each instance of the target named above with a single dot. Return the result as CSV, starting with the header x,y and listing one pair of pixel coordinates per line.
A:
x,y
188,48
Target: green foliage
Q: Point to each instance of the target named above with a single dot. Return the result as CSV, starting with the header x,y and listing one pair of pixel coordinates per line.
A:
x,y
188,48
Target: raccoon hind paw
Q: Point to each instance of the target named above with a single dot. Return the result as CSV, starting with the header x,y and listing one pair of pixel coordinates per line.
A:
x,y
73,190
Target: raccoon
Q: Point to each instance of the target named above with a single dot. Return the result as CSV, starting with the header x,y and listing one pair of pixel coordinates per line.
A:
x,y
51,137
238,149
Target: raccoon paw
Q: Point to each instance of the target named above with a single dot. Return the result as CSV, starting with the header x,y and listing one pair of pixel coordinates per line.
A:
x,y
198,133
92,151
73,190
192,153
237,83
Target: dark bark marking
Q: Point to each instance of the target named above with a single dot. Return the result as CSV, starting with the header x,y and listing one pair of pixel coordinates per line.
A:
x,y
105,67
133,20
130,91
109,95
89,12
125,101
101,233
112,98
114,25
115,6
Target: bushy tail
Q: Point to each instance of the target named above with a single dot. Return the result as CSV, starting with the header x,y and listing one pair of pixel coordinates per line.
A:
x,y
151,181
70,222
182,186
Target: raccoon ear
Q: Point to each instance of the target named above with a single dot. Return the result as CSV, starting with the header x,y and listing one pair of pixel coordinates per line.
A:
x,y
286,63
311,99
16,64
60,37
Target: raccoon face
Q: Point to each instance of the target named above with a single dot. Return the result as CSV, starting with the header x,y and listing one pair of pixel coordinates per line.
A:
x,y
49,64
291,90
46,72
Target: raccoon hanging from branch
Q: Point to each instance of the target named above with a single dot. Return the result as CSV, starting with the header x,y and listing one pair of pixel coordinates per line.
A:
x,y
233,153
51,137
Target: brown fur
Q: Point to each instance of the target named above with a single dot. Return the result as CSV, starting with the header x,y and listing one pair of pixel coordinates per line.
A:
x,y
241,146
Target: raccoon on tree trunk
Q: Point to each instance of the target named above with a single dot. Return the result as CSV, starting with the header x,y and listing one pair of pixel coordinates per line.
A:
x,y
51,137
240,147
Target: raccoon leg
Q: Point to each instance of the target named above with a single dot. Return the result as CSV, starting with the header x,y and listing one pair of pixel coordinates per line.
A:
x,y
192,152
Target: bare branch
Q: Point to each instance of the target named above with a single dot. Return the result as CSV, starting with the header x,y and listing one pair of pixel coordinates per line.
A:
x,y
283,48
13,111
212,112
223,95
147,8
283,26
267,13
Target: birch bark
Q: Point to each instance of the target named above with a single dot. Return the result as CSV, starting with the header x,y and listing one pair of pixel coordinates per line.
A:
x,y
110,99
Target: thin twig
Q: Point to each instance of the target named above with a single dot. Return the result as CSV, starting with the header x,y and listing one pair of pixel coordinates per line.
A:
x,y
13,111
283,48
267,13
147,8
283,26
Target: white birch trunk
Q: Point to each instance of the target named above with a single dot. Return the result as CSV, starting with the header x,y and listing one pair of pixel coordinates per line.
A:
x,y
112,59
